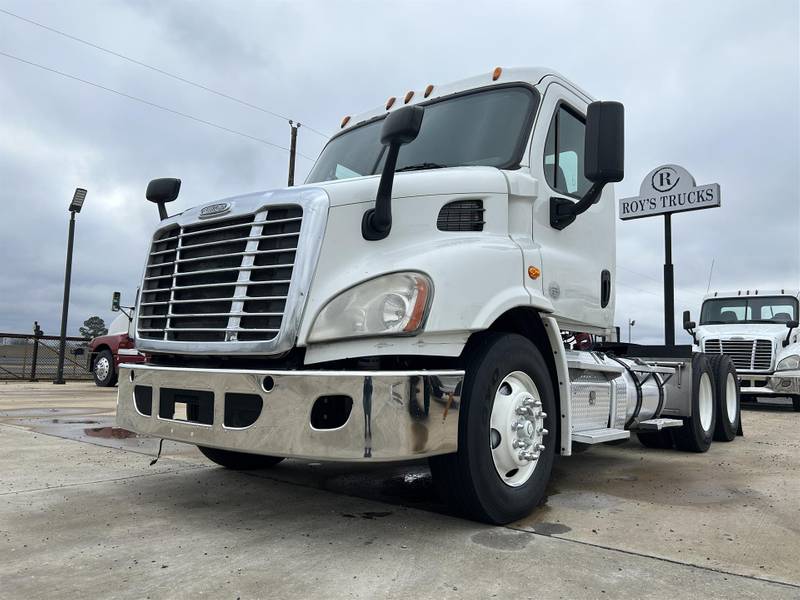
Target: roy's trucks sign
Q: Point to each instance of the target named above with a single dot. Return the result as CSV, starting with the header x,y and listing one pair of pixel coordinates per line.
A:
x,y
669,189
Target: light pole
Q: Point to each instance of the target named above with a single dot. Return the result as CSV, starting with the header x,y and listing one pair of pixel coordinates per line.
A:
x,y
74,208
292,151
631,323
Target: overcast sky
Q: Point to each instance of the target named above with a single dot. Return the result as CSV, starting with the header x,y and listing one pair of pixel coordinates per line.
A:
x,y
713,86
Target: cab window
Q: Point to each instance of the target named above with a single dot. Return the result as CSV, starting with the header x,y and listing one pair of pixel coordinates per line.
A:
x,y
564,153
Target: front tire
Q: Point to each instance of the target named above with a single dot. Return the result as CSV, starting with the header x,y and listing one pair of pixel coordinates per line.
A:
x,y
239,461
103,369
796,403
505,451
698,430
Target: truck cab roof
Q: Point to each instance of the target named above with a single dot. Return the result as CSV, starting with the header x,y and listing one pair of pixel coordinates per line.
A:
x,y
795,293
532,76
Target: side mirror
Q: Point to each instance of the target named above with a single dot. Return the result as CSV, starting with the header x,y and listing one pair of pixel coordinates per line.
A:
x,y
604,160
604,147
400,127
791,325
689,325
161,191
115,301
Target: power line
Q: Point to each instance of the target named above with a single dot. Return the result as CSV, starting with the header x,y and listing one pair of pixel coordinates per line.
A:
x,y
152,104
630,287
158,70
638,274
684,291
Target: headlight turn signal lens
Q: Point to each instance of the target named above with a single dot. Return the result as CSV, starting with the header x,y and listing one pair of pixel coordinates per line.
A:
x,y
790,363
394,304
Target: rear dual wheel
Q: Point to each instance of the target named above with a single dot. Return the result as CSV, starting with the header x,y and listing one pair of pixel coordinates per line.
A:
x,y
727,397
697,431
506,436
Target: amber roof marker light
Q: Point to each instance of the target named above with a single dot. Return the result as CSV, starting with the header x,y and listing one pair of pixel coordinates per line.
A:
x,y
428,91
496,73
409,96
345,121
390,102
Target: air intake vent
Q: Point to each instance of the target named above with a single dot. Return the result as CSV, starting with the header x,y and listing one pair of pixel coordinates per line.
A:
x,y
461,215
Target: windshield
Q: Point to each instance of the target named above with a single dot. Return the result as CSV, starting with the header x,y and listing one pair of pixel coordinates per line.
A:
x,y
752,309
488,128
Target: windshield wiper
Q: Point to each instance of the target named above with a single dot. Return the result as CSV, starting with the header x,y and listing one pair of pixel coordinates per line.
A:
x,y
421,167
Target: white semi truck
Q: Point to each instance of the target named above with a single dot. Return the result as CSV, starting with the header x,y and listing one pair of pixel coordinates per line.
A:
x,y
758,329
417,297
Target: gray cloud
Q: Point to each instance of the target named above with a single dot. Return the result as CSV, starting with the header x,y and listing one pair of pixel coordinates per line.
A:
x,y
712,86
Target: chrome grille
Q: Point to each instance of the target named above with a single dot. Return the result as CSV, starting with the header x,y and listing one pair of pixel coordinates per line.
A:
x,y
747,355
221,281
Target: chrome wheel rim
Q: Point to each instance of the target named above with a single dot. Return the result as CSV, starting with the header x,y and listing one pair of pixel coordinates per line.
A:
x,y
101,368
516,435
705,401
730,397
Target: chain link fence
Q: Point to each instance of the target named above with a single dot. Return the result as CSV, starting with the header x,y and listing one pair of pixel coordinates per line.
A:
x,y
30,357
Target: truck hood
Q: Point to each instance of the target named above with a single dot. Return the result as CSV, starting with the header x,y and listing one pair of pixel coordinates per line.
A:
x,y
746,331
451,181
431,182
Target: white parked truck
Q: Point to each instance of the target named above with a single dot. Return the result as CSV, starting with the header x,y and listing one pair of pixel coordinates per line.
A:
x,y
419,296
758,329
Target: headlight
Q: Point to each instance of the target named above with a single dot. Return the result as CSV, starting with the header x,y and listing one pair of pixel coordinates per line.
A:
x,y
790,363
395,304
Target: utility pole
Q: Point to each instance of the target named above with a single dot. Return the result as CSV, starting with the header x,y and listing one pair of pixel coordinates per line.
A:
x,y
292,151
631,323
74,208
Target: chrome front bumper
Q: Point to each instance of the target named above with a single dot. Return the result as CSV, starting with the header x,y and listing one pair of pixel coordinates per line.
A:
x,y
785,383
780,383
395,415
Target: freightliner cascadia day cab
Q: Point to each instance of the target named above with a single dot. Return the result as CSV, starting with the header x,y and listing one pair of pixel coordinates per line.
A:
x,y
758,329
418,297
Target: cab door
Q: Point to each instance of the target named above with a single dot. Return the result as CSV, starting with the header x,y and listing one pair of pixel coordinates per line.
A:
x,y
577,261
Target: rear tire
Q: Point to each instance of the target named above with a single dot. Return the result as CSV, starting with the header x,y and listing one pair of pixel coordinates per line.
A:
x,y
103,369
796,403
698,430
505,374
726,386
239,461
661,440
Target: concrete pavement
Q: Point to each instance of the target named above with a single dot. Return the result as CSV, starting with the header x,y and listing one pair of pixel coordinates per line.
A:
x,y
82,514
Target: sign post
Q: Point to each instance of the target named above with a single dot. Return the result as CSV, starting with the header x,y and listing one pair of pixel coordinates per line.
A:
x,y
665,190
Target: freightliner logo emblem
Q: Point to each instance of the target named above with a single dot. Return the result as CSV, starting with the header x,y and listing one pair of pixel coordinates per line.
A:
x,y
212,210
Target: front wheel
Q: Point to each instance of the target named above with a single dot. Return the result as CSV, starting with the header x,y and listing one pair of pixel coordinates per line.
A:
x,y
505,445
103,370
796,403
239,461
